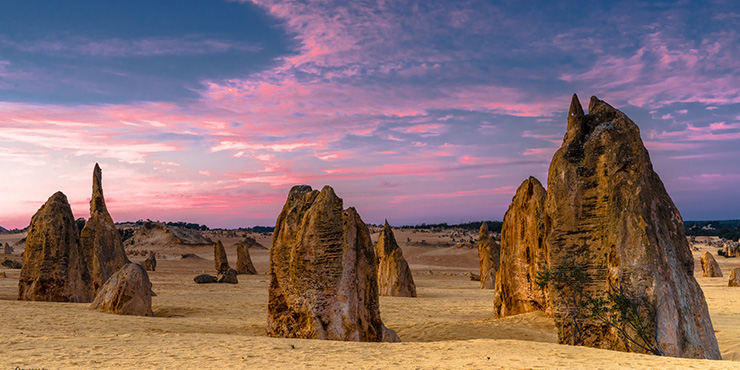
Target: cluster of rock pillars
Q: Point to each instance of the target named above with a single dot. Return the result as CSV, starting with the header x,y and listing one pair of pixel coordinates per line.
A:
x,y
604,209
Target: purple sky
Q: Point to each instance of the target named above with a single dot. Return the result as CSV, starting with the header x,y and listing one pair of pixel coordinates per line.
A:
x,y
209,112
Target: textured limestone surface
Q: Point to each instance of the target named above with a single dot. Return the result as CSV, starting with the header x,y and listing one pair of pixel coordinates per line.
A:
x,y
54,267
608,211
523,252
323,279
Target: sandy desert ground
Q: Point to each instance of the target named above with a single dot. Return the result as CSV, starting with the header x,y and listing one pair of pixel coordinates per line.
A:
x,y
449,325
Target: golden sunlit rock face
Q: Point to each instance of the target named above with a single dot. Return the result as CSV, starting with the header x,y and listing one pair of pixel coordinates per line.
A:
x,y
523,252
709,266
607,210
100,239
394,275
323,282
489,256
54,267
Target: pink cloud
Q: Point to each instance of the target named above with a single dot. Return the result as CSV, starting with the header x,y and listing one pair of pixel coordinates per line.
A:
x,y
505,190
667,70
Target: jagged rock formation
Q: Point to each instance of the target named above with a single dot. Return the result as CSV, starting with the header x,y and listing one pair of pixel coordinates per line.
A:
x,y
127,292
150,263
100,239
219,257
228,276
523,252
608,211
709,266
394,275
243,260
734,277
54,267
8,249
205,279
323,282
489,255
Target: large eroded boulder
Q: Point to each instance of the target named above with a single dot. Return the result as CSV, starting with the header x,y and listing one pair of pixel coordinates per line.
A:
x,y
523,253
709,266
100,239
127,292
489,256
608,211
54,267
244,265
394,274
323,282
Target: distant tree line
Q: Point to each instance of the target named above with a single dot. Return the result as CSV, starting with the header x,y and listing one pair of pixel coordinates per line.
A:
x,y
493,226
725,229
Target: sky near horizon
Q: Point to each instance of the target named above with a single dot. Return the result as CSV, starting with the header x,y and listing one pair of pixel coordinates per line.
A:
x,y
416,111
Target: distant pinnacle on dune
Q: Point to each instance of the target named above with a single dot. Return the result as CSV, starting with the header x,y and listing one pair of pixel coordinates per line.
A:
x,y
523,252
394,275
709,266
54,267
100,239
219,257
323,282
489,257
244,265
608,211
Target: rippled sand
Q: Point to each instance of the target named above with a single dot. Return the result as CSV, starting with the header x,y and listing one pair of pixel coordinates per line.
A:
x,y
220,326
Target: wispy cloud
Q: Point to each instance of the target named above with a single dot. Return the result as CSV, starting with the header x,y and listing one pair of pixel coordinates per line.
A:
x,y
130,48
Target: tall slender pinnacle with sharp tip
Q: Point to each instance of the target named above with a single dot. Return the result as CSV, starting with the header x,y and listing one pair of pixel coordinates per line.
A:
x,y
394,274
489,257
575,108
100,239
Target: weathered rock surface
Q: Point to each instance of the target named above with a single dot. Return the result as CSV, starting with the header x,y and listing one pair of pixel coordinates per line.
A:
x,y
323,280
734,277
244,265
150,263
607,210
228,276
219,257
523,253
127,292
394,274
100,239
709,266
489,255
54,267
205,279
7,249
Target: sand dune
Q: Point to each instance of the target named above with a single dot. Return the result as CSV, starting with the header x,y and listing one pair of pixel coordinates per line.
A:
x,y
217,326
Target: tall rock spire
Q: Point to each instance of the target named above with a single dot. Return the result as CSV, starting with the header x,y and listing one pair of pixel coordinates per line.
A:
x,y
100,238
394,275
